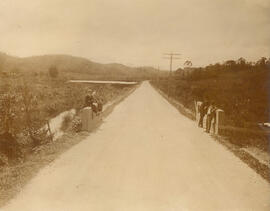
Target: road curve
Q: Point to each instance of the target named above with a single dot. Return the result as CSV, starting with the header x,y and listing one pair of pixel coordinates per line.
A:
x,y
145,157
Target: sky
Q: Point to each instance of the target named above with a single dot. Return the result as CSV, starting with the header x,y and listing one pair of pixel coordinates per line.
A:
x,y
137,32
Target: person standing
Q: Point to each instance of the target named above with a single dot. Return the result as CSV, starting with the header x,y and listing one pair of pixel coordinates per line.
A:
x,y
92,100
95,102
89,99
211,115
203,110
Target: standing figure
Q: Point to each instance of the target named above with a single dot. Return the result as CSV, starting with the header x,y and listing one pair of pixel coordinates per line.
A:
x,y
211,115
93,101
203,110
89,99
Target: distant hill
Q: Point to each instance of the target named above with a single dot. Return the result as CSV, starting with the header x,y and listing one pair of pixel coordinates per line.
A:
x,y
62,62
65,63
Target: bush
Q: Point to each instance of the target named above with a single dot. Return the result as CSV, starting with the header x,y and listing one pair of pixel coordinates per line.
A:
x,y
10,112
240,88
51,109
3,159
53,72
26,107
66,122
9,148
76,124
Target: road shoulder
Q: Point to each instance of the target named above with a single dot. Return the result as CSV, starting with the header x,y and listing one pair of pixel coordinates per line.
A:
x,y
253,162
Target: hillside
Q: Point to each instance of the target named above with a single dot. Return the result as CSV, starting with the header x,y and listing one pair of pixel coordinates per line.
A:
x,y
68,64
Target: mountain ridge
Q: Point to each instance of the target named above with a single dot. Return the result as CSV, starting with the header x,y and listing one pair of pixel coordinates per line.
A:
x,y
63,62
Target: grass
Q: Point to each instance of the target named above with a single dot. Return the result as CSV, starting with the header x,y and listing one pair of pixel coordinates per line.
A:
x,y
48,98
14,177
243,94
260,168
234,138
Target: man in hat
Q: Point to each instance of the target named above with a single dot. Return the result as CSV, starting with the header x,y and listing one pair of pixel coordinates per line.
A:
x,y
89,99
211,116
203,110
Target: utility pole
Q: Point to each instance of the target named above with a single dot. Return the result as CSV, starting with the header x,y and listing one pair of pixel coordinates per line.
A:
x,y
171,57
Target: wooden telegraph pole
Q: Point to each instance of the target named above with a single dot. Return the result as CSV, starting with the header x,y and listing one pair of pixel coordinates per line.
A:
x,y
171,57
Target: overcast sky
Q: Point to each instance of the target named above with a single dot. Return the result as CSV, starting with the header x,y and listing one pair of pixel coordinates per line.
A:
x,y
137,32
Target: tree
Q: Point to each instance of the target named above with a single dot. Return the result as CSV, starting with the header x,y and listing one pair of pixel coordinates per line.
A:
x,y
230,63
261,62
241,61
268,62
188,63
31,115
53,71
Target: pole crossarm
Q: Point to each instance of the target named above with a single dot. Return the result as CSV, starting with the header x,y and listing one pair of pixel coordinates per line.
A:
x,y
171,57
173,54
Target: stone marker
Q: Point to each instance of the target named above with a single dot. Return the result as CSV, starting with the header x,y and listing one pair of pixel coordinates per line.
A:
x,y
87,117
220,116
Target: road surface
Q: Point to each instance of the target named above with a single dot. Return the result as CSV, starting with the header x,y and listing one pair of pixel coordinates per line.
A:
x,y
145,157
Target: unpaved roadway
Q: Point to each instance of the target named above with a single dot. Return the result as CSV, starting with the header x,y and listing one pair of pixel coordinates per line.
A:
x,y
145,157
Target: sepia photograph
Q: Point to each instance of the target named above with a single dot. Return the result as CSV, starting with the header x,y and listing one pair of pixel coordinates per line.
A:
x,y
135,105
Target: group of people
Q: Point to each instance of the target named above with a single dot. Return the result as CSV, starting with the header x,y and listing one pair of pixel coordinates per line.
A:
x,y
207,109
93,101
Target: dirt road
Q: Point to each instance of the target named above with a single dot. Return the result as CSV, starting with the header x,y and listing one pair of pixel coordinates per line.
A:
x,y
145,157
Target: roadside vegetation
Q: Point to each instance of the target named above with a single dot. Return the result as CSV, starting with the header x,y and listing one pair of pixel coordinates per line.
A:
x,y
240,88
29,100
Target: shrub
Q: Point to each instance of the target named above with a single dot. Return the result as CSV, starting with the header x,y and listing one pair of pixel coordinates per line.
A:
x,y
53,72
66,121
76,124
51,109
241,89
10,112
9,148
3,159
